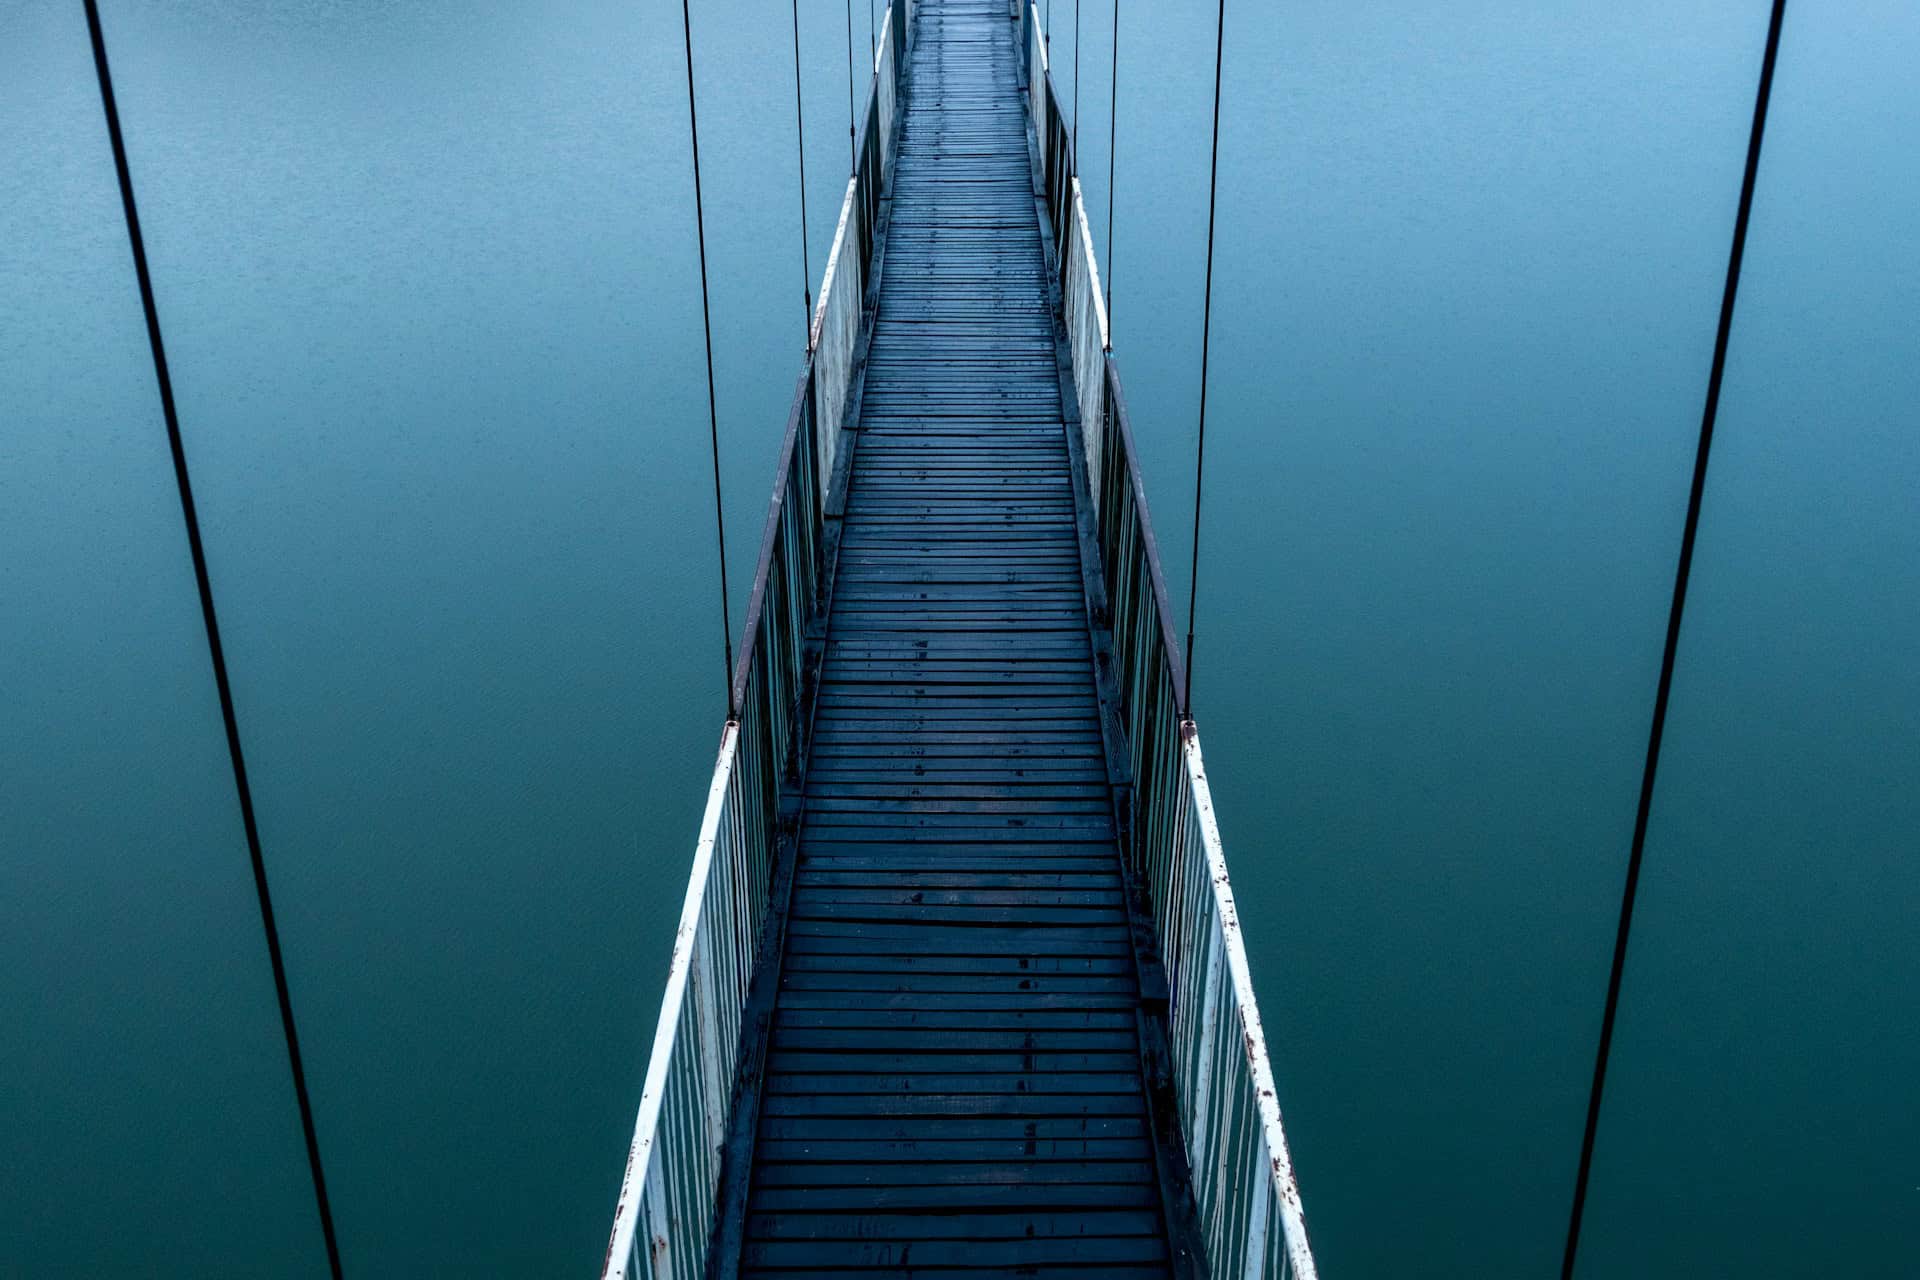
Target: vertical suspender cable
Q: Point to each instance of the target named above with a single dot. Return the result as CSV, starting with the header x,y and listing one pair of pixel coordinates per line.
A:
x,y
706,322
215,651
1682,571
800,149
853,160
1113,134
1076,88
1206,335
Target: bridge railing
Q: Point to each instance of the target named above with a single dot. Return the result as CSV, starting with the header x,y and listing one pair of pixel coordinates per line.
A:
x,y
664,1220
1243,1180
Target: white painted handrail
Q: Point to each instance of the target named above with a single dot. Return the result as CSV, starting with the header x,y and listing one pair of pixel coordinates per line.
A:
x,y
1228,982
658,1228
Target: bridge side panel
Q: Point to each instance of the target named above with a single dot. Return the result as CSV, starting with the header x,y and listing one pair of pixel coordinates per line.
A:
x,y
1243,1178
665,1215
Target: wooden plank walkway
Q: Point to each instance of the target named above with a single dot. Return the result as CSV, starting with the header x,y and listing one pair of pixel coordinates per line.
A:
x,y
953,1084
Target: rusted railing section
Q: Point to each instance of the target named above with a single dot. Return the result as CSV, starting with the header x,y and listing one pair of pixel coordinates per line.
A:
x,y
664,1220
1243,1181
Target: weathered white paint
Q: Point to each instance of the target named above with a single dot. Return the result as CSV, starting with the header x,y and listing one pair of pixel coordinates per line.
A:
x,y
716,1066
1086,317
659,1256
1037,81
1255,1267
836,331
883,78
833,259
1092,266
1282,1183
627,1213
1204,1039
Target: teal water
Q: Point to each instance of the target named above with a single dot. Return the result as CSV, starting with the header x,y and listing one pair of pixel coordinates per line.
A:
x,y
430,291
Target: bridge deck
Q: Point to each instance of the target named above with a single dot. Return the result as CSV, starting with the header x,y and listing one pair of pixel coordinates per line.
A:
x,y
953,1081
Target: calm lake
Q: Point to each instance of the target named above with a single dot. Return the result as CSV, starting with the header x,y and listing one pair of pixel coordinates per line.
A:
x,y
429,285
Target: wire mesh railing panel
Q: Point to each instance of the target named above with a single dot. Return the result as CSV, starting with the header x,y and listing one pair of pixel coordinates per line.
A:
x,y
665,1213
884,119
1037,96
664,1219
1243,1173
1086,319
836,328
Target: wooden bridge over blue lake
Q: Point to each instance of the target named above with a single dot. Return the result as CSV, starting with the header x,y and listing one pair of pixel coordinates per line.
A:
x,y
959,988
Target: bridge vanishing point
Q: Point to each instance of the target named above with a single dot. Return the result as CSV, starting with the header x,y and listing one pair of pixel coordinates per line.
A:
x,y
958,989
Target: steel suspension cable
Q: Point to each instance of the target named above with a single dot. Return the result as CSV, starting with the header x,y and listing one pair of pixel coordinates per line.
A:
x,y
853,160
1076,87
1113,133
1682,571
706,323
1206,336
800,150
216,652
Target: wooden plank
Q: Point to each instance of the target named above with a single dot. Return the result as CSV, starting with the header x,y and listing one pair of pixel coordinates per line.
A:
x,y
801,1063
1017,1256
963,1128
998,1197
1018,1225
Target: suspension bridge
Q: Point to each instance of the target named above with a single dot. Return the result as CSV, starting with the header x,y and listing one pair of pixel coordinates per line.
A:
x,y
959,988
